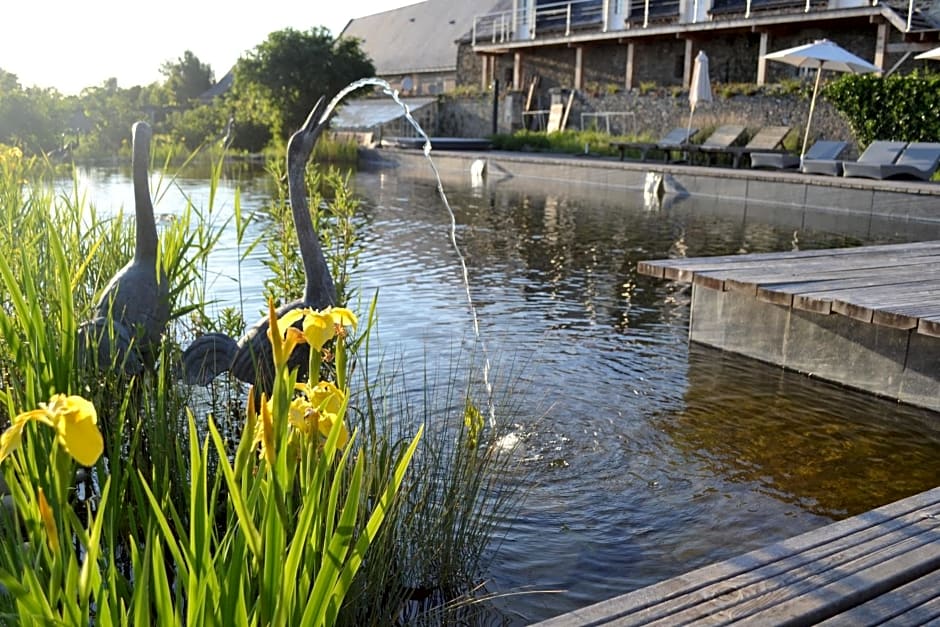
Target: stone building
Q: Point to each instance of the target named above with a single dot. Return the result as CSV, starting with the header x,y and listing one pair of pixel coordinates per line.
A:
x,y
626,56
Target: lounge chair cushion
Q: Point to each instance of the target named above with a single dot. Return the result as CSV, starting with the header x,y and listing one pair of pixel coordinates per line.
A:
x,y
918,161
769,139
822,150
720,141
878,151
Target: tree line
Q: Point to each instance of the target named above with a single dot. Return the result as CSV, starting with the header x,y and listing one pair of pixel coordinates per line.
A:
x,y
267,93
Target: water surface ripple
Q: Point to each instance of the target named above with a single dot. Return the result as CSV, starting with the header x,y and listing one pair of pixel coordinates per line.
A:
x,y
641,456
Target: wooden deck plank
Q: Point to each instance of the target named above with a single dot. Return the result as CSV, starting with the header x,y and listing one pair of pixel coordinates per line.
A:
x,y
861,302
861,305
817,598
782,291
876,266
914,603
788,589
895,525
929,327
688,266
877,271
753,269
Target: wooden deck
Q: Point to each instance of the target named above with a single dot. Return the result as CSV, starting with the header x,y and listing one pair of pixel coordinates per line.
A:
x,y
881,567
896,285
865,317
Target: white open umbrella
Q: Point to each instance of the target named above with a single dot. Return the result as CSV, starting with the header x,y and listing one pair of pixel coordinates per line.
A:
x,y
821,55
930,54
701,88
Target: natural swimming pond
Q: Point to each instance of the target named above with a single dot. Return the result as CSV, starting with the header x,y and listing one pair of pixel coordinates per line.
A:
x,y
643,457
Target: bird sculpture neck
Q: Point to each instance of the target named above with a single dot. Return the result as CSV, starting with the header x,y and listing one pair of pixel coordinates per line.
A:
x,y
319,291
143,205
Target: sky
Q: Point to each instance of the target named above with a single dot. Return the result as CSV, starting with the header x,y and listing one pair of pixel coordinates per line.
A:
x,y
70,45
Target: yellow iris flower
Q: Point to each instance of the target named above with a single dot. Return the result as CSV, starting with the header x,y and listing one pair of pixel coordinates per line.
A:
x,y
75,421
317,409
319,327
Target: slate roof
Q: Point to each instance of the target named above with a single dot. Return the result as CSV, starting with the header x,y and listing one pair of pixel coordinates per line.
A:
x,y
420,37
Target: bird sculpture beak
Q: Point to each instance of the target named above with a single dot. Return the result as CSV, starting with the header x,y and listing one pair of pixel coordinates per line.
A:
x,y
301,143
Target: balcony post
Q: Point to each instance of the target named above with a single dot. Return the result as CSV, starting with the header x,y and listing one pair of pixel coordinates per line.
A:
x,y
761,61
881,43
579,67
628,79
568,20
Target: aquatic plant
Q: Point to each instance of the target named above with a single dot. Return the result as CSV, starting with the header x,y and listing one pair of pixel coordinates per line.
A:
x,y
203,526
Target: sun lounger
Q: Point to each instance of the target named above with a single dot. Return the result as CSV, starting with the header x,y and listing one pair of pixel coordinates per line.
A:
x,y
672,140
767,140
720,141
822,150
919,160
877,152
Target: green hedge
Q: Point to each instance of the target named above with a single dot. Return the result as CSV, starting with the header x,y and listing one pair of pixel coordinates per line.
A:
x,y
902,108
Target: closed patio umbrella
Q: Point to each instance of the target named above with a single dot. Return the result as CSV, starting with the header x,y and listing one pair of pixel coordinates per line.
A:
x,y
701,88
821,55
930,54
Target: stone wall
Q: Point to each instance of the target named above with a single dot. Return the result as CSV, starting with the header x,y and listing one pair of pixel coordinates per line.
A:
x,y
654,113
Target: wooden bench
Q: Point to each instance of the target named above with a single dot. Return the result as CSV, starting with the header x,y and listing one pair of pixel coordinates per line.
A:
x,y
880,566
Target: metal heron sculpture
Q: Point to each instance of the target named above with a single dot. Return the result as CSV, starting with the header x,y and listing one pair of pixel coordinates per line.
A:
x,y
250,359
132,313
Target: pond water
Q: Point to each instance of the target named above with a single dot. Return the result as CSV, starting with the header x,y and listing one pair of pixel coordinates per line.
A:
x,y
642,456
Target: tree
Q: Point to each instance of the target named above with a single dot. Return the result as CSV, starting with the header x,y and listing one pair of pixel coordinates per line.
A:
x,y
283,77
187,78
32,118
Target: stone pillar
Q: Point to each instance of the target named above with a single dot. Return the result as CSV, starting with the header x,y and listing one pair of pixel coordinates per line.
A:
x,y
687,65
516,71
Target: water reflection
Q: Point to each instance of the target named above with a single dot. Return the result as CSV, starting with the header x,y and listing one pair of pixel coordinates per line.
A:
x,y
832,452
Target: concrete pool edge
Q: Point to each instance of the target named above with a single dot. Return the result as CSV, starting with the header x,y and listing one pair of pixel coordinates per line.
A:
x,y
833,197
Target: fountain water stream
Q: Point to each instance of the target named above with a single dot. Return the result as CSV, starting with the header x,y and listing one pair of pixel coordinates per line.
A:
x,y
393,93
